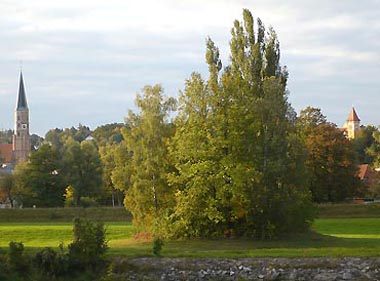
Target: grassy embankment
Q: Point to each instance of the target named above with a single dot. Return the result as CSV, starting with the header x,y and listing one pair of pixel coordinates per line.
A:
x,y
341,230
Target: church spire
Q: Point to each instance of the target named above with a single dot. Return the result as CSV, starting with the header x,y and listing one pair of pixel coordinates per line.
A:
x,y
353,117
21,99
21,137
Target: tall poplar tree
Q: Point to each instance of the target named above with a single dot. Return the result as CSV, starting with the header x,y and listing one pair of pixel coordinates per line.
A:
x,y
233,148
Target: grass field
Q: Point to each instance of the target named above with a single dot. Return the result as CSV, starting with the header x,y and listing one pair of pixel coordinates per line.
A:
x,y
331,237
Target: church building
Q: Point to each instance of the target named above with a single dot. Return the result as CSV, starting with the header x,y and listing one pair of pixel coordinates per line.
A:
x,y
19,149
352,125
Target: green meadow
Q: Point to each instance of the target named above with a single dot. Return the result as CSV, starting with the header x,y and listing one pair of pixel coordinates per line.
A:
x,y
330,237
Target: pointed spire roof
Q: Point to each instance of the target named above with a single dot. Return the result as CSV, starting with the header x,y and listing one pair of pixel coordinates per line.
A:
x,y
353,116
21,98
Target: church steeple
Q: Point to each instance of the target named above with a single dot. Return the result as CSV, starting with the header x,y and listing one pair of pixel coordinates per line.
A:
x,y
21,99
352,125
353,117
21,137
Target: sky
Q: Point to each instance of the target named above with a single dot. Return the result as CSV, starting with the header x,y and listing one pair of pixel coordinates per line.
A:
x,y
85,61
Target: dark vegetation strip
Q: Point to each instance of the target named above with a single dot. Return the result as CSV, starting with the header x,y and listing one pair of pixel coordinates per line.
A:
x,y
348,211
104,214
120,214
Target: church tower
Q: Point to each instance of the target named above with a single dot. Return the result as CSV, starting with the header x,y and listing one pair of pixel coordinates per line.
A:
x,y
352,124
21,137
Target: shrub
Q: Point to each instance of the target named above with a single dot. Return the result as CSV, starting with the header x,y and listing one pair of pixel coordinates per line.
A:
x,y
17,261
3,266
157,246
88,249
46,262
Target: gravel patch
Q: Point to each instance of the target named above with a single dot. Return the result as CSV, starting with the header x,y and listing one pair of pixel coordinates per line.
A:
x,y
246,269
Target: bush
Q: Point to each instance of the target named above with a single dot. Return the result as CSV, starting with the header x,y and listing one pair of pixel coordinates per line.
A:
x,y
84,259
17,261
88,249
3,267
157,246
47,263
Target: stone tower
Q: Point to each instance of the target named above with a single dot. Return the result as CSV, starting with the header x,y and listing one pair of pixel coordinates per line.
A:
x,y
21,137
352,124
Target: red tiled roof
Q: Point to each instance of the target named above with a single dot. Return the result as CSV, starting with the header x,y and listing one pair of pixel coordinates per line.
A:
x,y
6,153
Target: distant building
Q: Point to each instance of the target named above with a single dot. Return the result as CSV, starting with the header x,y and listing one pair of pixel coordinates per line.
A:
x,y
19,149
352,126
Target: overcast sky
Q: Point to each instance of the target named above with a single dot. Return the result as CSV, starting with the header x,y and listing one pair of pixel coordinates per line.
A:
x,y
84,61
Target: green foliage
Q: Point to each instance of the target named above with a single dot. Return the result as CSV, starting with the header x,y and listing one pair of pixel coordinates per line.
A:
x,y
82,168
108,134
58,137
148,195
7,184
372,151
21,191
309,118
17,262
47,262
365,146
84,260
331,164
239,170
39,181
158,243
112,158
89,246
42,180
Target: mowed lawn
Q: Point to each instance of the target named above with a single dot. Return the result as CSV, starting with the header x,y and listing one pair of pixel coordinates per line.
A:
x,y
331,237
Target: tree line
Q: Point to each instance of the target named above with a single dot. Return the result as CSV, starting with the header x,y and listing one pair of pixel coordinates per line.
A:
x,y
236,160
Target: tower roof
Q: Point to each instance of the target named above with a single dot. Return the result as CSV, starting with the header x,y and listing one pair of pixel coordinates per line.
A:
x,y
353,116
21,98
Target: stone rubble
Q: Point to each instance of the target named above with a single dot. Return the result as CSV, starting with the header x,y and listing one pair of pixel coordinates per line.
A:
x,y
250,269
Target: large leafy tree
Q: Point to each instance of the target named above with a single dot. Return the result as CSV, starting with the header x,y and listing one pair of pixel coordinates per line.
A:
x,y
108,134
109,154
82,169
58,137
331,164
232,148
39,181
309,118
331,159
148,196
21,192
108,139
